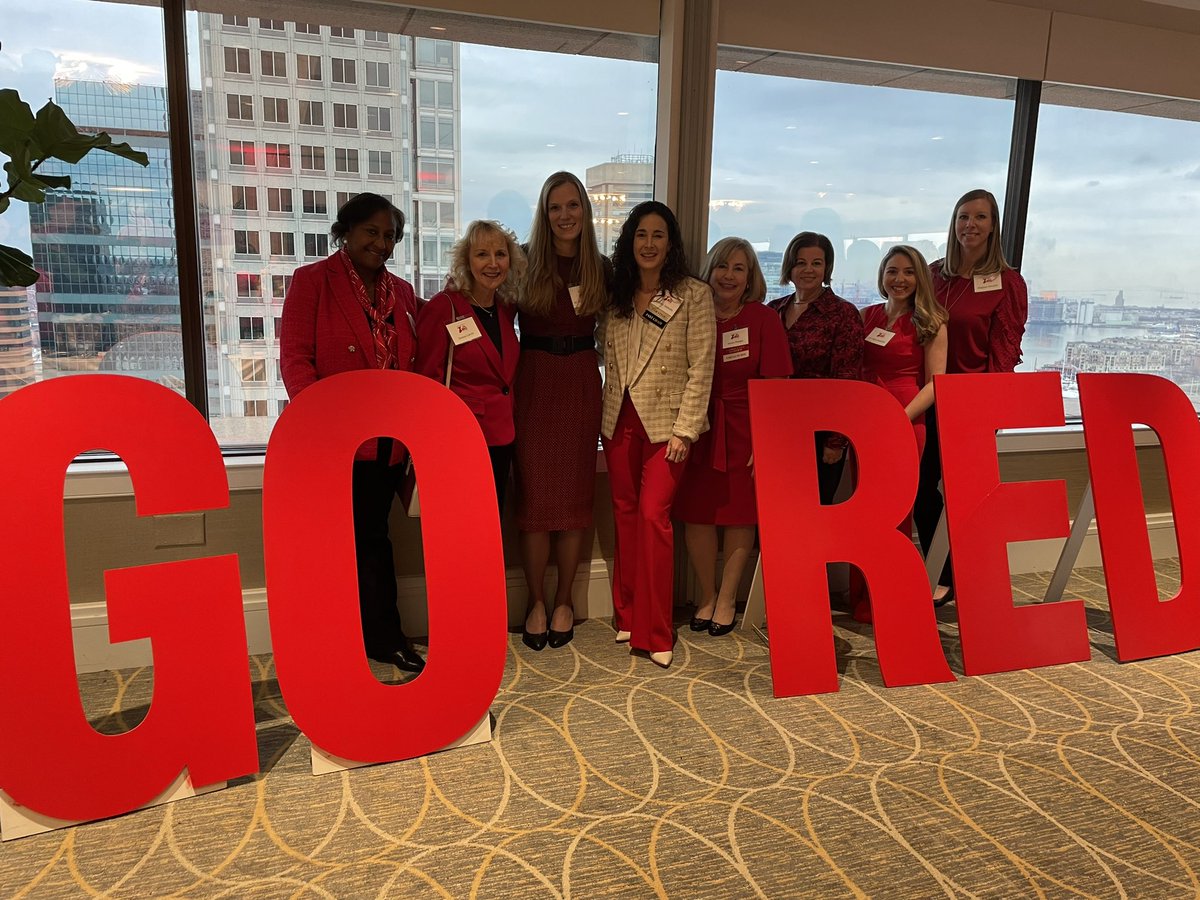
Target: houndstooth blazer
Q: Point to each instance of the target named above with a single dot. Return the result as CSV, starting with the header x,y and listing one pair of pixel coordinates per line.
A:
x,y
670,380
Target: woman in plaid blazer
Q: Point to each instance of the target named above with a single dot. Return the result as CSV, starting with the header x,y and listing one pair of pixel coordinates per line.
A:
x,y
658,344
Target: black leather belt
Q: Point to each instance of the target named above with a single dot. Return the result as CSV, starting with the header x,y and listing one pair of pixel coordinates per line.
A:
x,y
559,346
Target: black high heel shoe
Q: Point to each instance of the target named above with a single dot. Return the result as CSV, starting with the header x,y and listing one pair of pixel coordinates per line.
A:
x,y
698,624
558,639
535,641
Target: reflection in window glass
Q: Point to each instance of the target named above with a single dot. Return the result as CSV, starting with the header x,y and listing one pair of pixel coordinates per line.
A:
x,y
826,148
1110,246
108,296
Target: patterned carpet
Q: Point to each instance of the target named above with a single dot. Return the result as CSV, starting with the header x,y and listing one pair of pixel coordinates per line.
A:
x,y
608,777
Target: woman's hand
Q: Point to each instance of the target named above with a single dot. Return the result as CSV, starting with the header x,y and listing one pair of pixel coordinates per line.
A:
x,y
831,455
677,448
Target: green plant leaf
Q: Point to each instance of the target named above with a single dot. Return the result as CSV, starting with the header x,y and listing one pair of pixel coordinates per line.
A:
x,y
55,135
22,185
16,267
16,121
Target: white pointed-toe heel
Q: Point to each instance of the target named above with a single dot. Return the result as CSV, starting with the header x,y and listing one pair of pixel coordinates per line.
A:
x,y
662,658
622,637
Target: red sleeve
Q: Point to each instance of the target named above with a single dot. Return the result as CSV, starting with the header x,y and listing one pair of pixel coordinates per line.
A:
x,y
847,354
433,341
298,337
1008,325
774,354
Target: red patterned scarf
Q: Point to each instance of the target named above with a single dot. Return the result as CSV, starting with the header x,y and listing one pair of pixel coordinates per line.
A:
x,y
379,312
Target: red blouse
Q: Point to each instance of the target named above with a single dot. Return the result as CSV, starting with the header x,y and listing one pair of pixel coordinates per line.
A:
x,y
985,328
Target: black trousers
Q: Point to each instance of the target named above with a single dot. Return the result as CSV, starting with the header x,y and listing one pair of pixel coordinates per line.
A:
x,y
502,456
829,476
927,507
374,485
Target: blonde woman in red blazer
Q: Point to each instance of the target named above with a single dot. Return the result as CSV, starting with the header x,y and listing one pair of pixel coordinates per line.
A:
x,y
345,313
486,267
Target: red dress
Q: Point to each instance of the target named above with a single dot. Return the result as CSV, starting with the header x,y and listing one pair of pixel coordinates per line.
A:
x,y
557,419
900,366
717,486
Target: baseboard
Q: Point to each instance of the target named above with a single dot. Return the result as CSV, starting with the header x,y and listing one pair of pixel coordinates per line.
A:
x,y
592,589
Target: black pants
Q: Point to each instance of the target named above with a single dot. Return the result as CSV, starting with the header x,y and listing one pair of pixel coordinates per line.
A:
x,y
829,475
502,456
927,508
374,485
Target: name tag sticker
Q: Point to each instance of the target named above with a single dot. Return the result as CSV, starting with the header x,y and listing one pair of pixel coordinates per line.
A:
x,y
576,297
665,306
463,331
738,337
985,283
735,355
880,337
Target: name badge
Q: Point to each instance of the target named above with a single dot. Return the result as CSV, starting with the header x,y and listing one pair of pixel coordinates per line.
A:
x,y
880,337
738,337
664,307
576,297
463,331
985,283
735,355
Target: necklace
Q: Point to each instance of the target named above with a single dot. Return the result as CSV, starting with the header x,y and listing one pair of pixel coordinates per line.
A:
x,y
490,310
951,297
732,315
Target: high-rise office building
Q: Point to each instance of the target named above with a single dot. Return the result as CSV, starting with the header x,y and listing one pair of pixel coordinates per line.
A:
x,y
297,119
108,298
616,187
18,356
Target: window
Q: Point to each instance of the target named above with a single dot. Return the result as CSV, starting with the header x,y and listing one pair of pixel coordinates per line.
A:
x,y
279,289
339,31
344,197
278,323
435,54
438,94
278,156
240,107
249,286
254,369
312,112
345,160
438,175
436,131
316,245
274,63
379,162
275,109
345,115
379,118
308,67
251,408
343,71
378,75
241,153
245,243
237,61
312,159
313,203
236,21
283,243
376,37
279,199
270,24
245,198
307,28
436,215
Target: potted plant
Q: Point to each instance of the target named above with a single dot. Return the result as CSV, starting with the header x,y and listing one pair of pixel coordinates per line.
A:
x,y
29,141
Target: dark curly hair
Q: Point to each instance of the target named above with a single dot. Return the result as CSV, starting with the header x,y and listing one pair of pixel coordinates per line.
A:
x,y
625,268
358,209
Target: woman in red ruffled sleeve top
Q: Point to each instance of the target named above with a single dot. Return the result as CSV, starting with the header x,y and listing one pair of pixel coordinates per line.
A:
x,y
987,302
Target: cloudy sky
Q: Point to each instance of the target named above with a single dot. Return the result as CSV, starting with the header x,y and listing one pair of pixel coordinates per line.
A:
x,y
1114,204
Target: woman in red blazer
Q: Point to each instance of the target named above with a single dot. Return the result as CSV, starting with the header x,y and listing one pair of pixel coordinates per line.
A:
x,y
344,313
486,268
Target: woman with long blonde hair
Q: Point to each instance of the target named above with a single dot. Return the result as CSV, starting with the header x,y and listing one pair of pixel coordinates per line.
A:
x,y
557,401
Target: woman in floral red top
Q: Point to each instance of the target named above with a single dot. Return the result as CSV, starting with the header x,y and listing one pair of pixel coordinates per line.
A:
x,y
825,335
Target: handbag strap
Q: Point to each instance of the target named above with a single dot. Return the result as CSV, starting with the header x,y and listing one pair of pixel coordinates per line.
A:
x,y
449,363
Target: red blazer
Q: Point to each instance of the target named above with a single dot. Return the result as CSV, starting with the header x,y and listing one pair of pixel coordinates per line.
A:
x,y
481,377
325,331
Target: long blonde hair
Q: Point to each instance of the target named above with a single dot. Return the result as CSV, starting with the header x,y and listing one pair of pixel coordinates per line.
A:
x,y
460,259
543,282
756,284
928,315
993,261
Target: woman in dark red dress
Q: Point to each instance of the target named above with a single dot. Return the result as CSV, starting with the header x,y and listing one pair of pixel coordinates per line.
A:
x,y
905,347
558,400
718,485
987,302
825,335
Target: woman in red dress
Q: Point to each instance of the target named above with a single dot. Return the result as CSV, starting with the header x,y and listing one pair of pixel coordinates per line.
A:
x,y
987,302
558,400
905,347
718,484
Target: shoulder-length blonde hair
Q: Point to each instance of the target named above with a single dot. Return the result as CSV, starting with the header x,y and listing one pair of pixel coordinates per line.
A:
x,y
928,315
756,284
993,260
542,281
460,259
